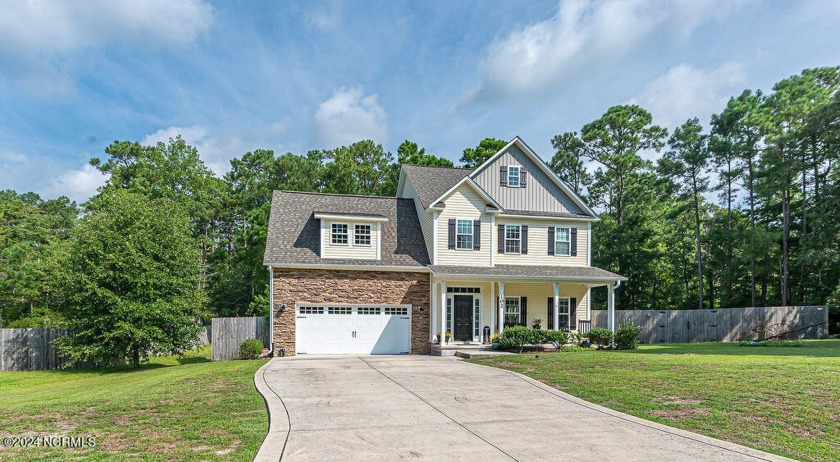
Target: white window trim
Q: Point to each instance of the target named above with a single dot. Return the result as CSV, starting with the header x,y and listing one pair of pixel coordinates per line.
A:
x,y
518,176
568,312
518,239
556,241
370,235
518,308
471,234
332,233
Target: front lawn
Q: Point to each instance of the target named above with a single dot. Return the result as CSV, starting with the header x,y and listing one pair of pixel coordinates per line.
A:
x,y
781,400
171,409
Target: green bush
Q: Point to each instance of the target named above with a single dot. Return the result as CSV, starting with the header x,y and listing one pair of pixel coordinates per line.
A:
x,y
600,336
627,335
251,349
557,336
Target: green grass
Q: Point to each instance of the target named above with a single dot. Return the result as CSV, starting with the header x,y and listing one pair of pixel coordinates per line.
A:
x,y
781,400
171,409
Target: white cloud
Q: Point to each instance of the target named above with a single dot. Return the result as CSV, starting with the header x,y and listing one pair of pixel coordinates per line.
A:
x,y
79,185
40,40
685,91
349,116
218,146
535,60
54,26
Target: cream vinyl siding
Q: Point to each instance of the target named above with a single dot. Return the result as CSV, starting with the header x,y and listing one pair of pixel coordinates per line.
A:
x,y
538,243
463,203
423,216
539,293
540,194
350,250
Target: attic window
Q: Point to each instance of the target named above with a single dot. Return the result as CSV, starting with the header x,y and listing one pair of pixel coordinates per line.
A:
x,y
339,233
513,176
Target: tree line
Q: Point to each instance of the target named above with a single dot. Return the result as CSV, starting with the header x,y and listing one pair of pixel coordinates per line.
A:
x,y
742,213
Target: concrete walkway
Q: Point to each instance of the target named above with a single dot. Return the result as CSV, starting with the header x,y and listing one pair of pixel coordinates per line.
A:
x,y
438,408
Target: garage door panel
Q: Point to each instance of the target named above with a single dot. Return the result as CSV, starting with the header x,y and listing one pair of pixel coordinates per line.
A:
x,y
353,330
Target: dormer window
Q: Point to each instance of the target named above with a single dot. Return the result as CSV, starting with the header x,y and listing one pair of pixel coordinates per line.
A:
x,y
513,176
361,235
339,233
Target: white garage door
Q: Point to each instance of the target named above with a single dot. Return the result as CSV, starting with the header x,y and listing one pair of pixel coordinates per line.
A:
x,y
356,329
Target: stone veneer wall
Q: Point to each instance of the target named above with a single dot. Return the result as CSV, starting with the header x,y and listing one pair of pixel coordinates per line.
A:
x,y
339,286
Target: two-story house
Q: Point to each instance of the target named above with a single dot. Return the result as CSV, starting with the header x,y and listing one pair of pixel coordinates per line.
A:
x,y
456,250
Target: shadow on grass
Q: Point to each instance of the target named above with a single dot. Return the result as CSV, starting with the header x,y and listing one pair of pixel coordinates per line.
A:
x,y
810,348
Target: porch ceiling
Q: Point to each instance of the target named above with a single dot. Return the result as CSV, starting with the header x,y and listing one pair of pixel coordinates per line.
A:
x,y
502,272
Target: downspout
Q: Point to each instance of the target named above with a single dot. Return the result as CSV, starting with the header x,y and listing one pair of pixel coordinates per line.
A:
x,y
271,310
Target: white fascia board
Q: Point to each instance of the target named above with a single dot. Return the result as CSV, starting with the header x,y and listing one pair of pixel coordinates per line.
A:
x,y
474,185
595,282
338,216
542,165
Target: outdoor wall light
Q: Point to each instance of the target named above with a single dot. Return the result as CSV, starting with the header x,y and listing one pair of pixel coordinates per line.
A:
x,y
283,306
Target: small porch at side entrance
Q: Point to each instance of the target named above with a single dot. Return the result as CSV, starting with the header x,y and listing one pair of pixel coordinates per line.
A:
x,y
472,303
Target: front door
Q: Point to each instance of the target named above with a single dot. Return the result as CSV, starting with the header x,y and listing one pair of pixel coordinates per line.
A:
x,y
462,317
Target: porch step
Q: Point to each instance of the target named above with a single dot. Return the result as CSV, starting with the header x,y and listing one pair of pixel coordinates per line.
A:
x,y
467,354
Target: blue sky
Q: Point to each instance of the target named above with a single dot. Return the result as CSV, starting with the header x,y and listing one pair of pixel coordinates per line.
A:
x,y
293,76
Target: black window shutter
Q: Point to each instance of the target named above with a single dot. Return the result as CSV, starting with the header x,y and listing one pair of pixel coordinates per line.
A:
x,y
550,314
477,235
503,175
573,313
501,238
523,178
451,233
523,311
551,240
573,250
524,236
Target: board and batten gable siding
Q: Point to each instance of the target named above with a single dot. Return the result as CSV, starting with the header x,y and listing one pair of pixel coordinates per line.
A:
x,y
540,195
425,218
464,203
349,250
538,243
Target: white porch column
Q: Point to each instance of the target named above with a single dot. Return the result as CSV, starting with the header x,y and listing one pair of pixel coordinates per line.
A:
x,y
501,307
442,312
611,308
556,312
492,311
434,307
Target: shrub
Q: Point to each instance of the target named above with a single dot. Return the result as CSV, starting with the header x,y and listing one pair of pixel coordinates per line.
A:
x,y
251,349
516,337
494,338
600,335
627,335
557,336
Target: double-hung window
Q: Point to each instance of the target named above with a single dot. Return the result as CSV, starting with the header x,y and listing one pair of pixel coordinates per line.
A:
x,y
562,241
361,235
339,233
464,234
512,310
513,239
513,176
563,313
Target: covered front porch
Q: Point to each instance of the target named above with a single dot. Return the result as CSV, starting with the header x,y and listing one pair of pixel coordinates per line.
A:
x,y
472,303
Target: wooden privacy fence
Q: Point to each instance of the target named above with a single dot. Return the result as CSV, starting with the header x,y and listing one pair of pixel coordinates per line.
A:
x,y
30,349
721,325
228,333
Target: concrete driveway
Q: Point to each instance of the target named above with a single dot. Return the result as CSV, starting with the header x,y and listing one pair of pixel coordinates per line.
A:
x,y
424,407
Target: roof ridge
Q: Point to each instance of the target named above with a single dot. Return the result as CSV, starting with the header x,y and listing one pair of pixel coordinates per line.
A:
x,y
312,193
437,166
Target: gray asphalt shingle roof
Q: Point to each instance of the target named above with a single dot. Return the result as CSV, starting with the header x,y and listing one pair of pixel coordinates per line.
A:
x,y
294,233
432,182
559,272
